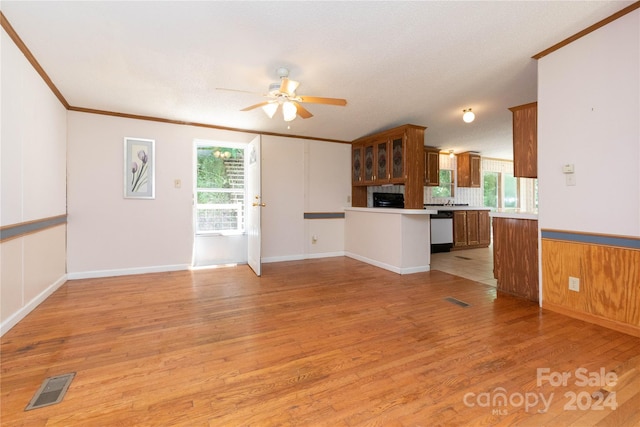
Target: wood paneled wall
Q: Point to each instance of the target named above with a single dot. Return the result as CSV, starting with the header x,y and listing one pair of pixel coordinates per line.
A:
x,y
609,276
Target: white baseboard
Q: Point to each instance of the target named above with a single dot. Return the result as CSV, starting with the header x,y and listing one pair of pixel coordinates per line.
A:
x,y
325,255
127,271
300,257
268,260
399,270
16,317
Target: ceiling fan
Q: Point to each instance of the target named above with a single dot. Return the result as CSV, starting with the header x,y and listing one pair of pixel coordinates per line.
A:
x,y
284,94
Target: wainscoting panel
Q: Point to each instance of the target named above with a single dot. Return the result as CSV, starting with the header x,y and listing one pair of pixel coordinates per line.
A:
x,y
609,292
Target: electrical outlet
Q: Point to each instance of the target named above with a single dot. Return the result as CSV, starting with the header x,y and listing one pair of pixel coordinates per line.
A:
x,y
314,239
574,284
177,183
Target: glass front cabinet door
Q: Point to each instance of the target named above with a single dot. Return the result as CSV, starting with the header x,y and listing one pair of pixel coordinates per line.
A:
x,y
397,174
356,165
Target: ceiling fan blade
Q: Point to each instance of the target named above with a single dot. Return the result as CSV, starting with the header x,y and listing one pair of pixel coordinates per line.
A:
x,y
302,112
289,86
319,100
262,104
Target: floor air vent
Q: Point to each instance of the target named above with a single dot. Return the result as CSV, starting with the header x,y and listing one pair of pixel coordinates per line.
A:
x,y
51,391
456,301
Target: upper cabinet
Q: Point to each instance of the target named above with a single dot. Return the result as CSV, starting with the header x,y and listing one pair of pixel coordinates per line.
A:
x,y
525,140
468,169
431,166
394,156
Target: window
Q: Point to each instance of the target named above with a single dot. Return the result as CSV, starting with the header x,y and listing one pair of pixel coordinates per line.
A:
x,y
510,194
491,189
503,190
220,193
446,184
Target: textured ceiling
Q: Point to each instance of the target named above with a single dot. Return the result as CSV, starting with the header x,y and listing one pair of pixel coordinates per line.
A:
x,y
395,62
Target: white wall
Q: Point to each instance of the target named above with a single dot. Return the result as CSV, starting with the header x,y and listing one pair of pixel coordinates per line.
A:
x,y
328,189
33,158
589,116
111,235
303,176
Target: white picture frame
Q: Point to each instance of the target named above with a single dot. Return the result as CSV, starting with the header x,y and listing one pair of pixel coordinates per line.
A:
x,y
139,168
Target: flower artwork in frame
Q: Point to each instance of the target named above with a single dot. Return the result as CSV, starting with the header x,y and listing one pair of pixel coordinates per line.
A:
x,y
139,170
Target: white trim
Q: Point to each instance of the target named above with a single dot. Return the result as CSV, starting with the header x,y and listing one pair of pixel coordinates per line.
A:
x,y
127,271
16,317
282,258
325,255
302,257
393,268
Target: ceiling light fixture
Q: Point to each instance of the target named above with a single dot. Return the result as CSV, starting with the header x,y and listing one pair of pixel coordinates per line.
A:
x,y
270,109
451,155
468,116
289,111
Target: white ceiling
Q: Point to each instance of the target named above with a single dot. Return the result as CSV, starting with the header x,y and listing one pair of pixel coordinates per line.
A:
x,y
419,62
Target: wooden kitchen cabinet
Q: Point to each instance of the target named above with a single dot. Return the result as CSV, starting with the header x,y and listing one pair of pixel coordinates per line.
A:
x,y
525,140
459,229
357,161
471,229
394,156
468,166
484,228
431,166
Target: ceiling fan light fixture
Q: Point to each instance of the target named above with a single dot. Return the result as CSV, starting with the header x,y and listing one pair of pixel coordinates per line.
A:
x,y
289,111
270,109
468,116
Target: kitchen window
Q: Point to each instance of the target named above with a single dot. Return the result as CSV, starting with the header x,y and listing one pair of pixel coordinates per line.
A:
x,y
445,189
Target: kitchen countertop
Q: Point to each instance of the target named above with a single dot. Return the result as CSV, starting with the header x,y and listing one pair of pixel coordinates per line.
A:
x,y
459,208
514,214
396,211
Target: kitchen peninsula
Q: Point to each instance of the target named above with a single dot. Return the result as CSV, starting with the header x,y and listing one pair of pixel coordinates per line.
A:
x,y
397,240
515,253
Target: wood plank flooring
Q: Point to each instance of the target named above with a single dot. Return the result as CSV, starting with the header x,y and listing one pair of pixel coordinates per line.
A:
x,y
327,342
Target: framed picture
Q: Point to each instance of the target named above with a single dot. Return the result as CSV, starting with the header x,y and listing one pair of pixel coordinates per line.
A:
x,y
139,168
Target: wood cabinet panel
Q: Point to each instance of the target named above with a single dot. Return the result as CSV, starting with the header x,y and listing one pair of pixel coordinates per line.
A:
x,y
460,229
525,140
473,236
431,167
471,229
515,256
468,168
484,228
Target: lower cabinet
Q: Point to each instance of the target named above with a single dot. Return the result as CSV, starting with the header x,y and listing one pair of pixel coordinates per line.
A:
x,y
471,229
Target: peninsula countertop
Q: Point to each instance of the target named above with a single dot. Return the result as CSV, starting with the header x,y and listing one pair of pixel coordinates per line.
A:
x,y
514,214
395,211
458,208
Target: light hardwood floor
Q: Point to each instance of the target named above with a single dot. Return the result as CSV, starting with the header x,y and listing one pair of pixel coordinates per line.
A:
x,y
327,342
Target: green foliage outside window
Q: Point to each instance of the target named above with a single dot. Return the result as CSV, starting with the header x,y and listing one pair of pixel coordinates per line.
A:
x,y
490,189
446,185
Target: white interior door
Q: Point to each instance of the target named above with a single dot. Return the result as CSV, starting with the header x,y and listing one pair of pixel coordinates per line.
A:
x,y
254,193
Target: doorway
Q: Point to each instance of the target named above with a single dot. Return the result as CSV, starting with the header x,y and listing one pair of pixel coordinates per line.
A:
x,y
220,203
